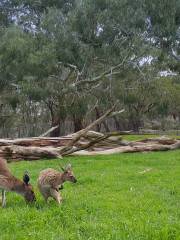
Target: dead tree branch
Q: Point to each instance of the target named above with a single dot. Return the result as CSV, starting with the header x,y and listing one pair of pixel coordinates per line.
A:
x,y
49,131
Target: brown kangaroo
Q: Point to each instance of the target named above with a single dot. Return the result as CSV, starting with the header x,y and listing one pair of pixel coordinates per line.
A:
x,y
10,183
50,180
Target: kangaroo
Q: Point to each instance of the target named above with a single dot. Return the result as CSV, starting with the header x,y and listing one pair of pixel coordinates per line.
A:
x,y
50,180
10,183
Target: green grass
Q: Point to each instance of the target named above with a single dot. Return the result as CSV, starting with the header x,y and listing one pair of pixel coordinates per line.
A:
x,y
112,200
136,137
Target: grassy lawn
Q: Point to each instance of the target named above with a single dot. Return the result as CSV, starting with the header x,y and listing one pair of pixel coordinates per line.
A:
x,y
112,200
136,137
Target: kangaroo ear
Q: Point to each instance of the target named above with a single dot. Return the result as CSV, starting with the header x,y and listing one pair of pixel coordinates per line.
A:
x,y
26,177
68,167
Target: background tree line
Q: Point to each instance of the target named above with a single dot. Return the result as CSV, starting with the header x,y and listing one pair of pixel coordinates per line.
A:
x,y
64,62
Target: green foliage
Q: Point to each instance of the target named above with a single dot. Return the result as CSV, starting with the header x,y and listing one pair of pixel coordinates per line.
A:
x,y
14,49
13,101
78,107
163,17
41,40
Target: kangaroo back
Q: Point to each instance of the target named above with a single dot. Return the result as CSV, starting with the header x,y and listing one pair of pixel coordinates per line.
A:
x,y
4,170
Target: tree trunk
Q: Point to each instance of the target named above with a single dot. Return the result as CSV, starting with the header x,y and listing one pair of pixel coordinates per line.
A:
x,y
104,123
56,131
134,123
117,124
78,123
98,126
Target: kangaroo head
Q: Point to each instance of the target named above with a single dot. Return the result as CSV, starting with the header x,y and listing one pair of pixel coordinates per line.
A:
x,y
29,194
68,174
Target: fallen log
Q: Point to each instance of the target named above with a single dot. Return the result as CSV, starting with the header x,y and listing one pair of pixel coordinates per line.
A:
x,y
86,145
77,143
162,140
78,135
84,131
18,153
131,149
36,141
17,149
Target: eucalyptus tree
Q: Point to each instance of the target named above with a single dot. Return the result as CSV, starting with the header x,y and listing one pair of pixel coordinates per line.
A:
x,y
75,58
78,52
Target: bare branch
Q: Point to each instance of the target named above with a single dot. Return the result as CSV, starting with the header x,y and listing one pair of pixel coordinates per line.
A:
x,y
174,55
49,131
94,106
117,113
99,77
141,72
68,75
69,65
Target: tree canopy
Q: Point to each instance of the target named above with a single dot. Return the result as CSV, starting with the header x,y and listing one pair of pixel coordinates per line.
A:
x,y
65,62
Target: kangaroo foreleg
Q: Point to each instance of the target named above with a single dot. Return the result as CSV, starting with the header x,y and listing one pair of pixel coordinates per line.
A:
x,y
56,195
